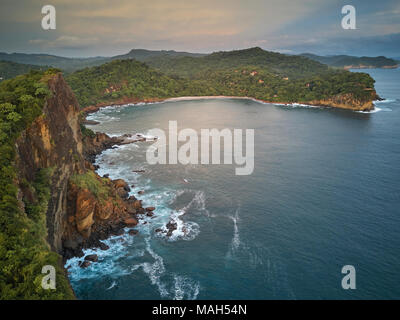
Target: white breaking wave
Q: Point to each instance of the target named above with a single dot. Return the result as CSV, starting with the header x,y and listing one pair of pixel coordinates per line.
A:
x,y
113,284
235,239
185,288
376,109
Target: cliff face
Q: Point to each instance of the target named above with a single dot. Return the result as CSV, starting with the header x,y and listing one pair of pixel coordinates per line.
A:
x,y
83,208
347,101
53,141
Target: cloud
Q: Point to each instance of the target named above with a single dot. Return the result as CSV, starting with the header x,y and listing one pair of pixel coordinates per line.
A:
x,y
112,27
65,42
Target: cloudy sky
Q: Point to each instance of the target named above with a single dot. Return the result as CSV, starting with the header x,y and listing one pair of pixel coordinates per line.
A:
x,y
105,27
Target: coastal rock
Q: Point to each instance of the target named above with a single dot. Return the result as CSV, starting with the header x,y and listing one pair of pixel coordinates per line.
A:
x,y
118,231
122,193
131,199
137,204
105,210
92,258
150,208
171,227
84,264
130,209
121,183
130,222
133,232
103,246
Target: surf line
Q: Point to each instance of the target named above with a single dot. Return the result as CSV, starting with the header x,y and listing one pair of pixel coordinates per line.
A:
x,y
188,153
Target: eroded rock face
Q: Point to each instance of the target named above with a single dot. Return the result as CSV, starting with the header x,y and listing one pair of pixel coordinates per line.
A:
x,y
53,141
93,218
76,217
85,206
104,210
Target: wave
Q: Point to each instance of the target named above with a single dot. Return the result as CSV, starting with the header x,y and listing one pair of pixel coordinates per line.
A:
x,y
376,109
384,101
185,288
235,243
113,284
113,262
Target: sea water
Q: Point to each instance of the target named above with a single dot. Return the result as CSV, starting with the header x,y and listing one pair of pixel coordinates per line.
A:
x,y
325,193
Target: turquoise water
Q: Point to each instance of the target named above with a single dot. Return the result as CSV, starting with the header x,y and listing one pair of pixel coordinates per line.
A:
x,y
324,193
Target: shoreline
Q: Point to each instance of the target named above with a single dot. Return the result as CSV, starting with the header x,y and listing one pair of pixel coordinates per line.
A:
x,y
317,104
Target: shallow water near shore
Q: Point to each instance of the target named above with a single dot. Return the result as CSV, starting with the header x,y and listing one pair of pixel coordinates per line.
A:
x,y
324,193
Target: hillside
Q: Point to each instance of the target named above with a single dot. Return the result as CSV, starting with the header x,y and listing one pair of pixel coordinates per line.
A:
x,y
348,62
146,55
23,246
276,63
52,203
66,64
72,64
119,79
252,72
10,69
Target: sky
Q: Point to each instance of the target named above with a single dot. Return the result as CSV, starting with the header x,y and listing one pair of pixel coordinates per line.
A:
x,y
105,28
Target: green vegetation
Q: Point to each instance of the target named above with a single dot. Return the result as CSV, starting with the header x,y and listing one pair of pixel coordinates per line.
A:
x,y
341,61
72,64
252,72
10,69
66,64
144,55
118,79
97,186
23,247
86,132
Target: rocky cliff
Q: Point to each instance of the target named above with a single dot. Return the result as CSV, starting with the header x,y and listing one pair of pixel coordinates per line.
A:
x,y
348,101
83,208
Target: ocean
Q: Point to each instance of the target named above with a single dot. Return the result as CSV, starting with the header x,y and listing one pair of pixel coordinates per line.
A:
x,y
325,193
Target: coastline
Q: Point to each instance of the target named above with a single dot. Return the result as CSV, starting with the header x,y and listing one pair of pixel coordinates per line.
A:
x,y
369,106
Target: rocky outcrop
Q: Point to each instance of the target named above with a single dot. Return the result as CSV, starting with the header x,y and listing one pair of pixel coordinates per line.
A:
x,y
78,215
94,217
348,101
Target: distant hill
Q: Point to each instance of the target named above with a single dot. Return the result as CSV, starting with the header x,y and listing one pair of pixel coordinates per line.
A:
x,y
145,55
349,62
253,72
66,64
10,69
72,64
275,63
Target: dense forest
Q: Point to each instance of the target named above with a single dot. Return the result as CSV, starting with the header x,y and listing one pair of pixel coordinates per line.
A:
x,y
64,63
252,72
73,64
343,61
10,69
23,247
